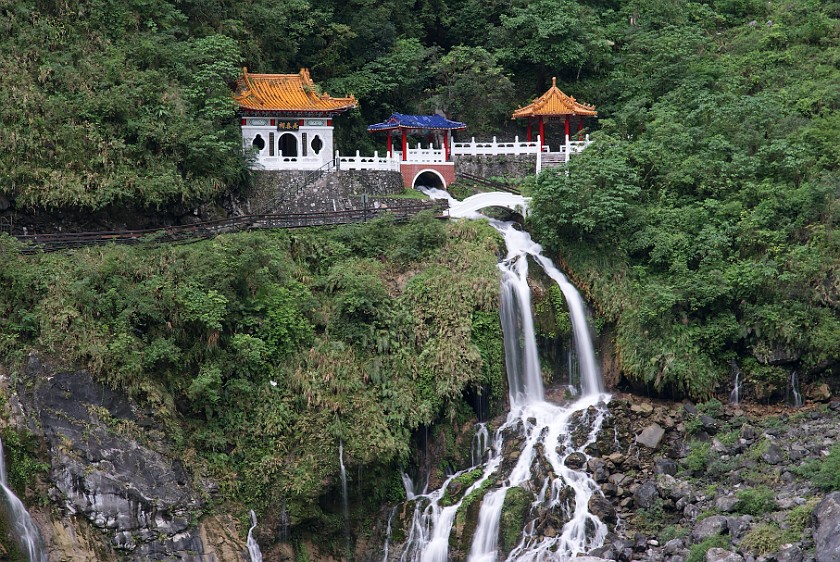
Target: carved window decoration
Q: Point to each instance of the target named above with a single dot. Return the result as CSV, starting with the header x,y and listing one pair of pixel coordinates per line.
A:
x,y
271,144
288,145
304,148
259,142
317,144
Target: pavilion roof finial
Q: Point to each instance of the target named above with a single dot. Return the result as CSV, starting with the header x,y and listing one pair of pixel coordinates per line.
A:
x,y
554,103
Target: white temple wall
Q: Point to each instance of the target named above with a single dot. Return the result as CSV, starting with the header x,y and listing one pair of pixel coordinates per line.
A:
x,y
288,144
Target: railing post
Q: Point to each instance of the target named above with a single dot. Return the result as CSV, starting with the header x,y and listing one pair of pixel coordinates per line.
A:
x,y
473,147
539,155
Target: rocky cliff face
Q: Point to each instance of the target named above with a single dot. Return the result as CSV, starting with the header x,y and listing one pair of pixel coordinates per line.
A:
x,y
116,489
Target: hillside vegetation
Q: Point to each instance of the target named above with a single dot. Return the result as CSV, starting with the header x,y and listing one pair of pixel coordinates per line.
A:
x,y
260,353
702,222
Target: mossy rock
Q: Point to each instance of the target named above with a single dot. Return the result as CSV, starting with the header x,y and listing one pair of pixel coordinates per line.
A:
x,y
514,513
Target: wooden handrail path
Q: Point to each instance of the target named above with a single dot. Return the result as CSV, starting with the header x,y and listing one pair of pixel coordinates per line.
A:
x,y
59,241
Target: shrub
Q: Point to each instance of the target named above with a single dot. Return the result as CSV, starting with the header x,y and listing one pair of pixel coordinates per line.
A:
x,y
697,553
824,473
763,539
756,501
698,457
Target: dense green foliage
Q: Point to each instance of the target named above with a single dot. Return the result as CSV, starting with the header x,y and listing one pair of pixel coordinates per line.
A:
x,y
702,221
825,473
261,352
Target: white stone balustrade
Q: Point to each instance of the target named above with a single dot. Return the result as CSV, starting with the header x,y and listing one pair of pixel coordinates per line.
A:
x,y
474,148
375,162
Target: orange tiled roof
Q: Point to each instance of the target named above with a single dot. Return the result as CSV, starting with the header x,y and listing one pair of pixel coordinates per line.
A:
x,y
286,92
553,103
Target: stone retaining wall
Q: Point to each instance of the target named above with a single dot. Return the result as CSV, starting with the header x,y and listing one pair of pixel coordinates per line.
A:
x,y
336,191
507,166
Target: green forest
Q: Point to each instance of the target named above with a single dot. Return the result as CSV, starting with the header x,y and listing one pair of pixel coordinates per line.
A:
x,y
702,218
700,224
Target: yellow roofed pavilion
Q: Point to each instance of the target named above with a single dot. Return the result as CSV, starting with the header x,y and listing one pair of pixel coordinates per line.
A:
x,y
287,94
554,103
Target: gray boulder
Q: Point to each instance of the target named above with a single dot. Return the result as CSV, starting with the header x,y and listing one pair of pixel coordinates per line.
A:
x,y
790,554
722,555
726,504
651,436
646,495
827,528
773,454
709,527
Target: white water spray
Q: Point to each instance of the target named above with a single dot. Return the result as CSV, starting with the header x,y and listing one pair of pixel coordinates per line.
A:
x,y
795,395
344,500
388,534
735,395
545,428
22,527
253,548
480,443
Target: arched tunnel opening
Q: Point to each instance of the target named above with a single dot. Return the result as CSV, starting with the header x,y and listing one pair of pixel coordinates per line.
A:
x,y
429,178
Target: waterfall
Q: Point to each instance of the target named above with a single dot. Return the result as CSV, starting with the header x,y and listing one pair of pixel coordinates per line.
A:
x,y
545,429
795,396
735,395
22,527
344,501
253,548
388,533
479,445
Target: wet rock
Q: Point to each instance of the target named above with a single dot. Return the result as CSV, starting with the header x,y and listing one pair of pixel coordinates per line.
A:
x,y
827,528
616,458
598,470
575,460
722,555
666,466
726,504
651,436
133,489
601,508
646,495
709,527
773,454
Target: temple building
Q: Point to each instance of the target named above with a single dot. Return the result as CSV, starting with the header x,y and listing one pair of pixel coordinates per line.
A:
x,y
286,122
554,106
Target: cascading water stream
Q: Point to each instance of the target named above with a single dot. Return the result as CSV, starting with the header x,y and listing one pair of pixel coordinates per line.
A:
x,y
22,526
545,428
388,534
735,395
795,395
253,548
344,500
480,443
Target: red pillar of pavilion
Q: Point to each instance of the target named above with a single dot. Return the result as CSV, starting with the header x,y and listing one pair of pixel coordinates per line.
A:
x,y
390,145
404,146
568,127
542,132
529,130
446,141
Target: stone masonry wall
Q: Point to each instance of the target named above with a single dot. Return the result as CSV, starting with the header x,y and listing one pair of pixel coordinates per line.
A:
x,y
336,191
507,166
